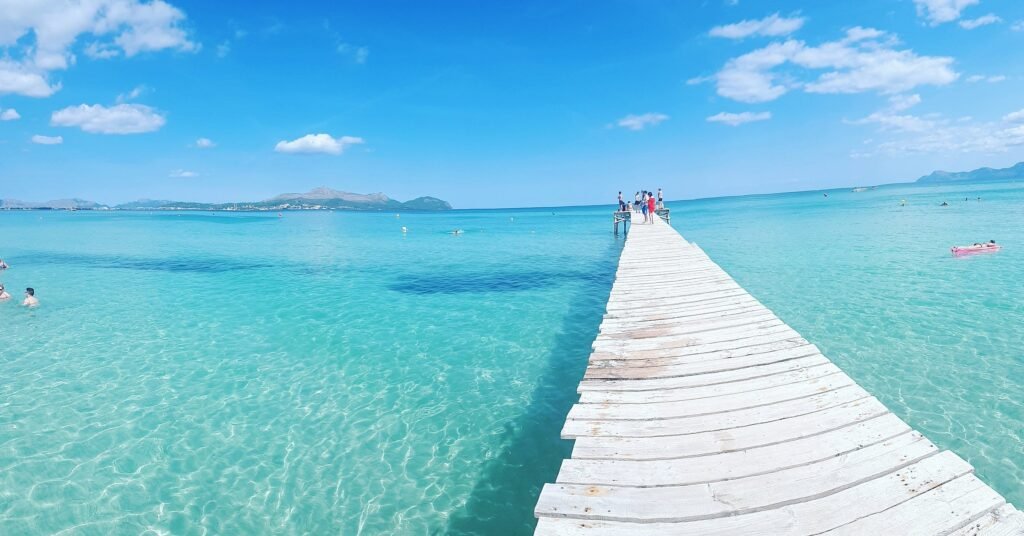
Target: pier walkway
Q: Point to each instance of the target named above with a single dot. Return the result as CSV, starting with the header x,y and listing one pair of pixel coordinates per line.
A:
x,y
701,413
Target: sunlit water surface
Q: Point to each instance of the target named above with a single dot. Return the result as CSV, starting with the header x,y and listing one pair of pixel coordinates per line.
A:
x,y
322,373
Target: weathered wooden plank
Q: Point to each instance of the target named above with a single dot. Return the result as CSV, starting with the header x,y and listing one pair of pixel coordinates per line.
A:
x,y
708,458
700,325
670,394
1003,521
674,426
803,518
701,379
942,509
738,358
738,331
709,405
705,499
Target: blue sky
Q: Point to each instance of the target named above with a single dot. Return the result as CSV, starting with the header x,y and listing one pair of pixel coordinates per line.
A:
x,y
490,104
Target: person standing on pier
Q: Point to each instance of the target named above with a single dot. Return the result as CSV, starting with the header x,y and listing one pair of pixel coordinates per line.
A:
x,y
651,207
661,199
622,204
636,202
643,207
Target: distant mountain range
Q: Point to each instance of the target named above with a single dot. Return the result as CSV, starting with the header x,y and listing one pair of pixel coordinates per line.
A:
x,y
984,174
321,198
56,204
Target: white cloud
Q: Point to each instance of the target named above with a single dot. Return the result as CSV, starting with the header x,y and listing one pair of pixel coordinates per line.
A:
x,y
223,49
902,102
317,143
101,51
47,140
1014,117
940,11
861,61
772,25
357,53
118,119
1018,26
974,78
38,37
135,93
642,121
205,143
23,80
9,114
183,174
935,134
740,118
984,20
889,118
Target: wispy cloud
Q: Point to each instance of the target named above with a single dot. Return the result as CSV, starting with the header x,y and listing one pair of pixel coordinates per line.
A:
x,y
941,11
642,121
975,78
358,54
135,93
735,120
863,60
1014,117
205,143
183,174
47,140
317,143
933,133
984,20
9,114
772,25
118,119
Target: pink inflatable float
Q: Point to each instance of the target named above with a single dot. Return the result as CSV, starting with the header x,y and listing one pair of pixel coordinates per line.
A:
x,y
974,250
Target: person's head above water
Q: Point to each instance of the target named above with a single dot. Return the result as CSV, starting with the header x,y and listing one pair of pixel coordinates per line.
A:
x,y
30,291
991,241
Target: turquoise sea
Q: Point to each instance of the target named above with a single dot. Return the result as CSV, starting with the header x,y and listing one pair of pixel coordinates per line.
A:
x,y
322,373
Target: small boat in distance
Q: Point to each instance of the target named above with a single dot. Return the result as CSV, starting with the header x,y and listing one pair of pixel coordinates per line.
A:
x,y
860,189
990,247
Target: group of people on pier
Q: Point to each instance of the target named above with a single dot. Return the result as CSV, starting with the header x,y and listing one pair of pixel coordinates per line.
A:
x,y
644,202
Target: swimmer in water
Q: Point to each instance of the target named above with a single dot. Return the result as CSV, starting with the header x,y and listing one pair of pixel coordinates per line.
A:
x,y
404,230
944,204
30,298
457,232
3,265
4,295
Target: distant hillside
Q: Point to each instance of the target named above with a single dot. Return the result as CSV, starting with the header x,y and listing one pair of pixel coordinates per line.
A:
x,y
56,204
321,198
978,175
143,204
426,203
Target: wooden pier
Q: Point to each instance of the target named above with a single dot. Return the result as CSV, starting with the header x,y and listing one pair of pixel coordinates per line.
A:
x,y
702,413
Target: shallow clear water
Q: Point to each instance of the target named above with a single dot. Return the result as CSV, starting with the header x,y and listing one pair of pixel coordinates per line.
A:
x,y
319,373
322,373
